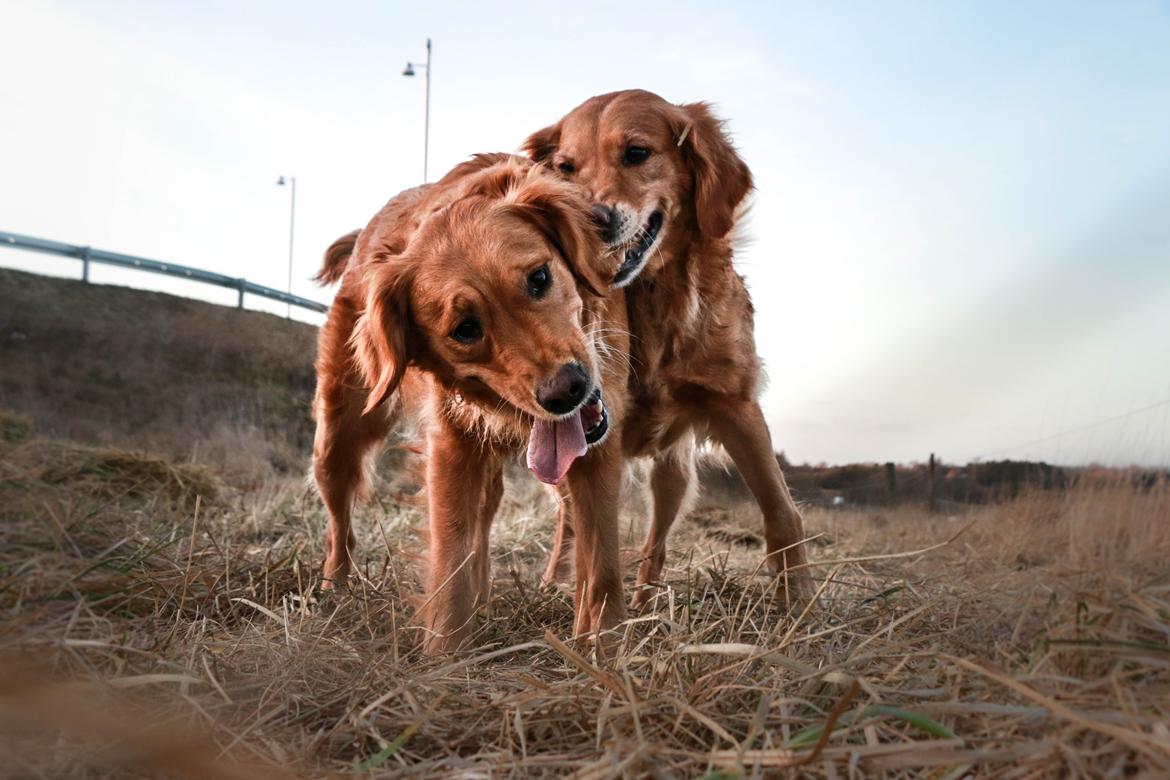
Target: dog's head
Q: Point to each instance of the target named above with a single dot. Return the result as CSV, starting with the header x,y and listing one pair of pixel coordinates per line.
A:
x,y
487,296
658,173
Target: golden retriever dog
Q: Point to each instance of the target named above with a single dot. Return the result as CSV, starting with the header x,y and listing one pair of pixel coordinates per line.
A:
x,y
474,306
667,186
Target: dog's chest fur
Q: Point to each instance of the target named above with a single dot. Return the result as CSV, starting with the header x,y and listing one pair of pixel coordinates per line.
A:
x,y
692,346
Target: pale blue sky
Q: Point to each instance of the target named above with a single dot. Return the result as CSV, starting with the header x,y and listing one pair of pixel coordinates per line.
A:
x,y
961,238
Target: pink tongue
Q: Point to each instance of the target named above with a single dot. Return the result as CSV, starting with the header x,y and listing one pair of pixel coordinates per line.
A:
x,y
553,446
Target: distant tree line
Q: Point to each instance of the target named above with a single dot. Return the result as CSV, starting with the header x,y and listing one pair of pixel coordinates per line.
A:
x,y
933,482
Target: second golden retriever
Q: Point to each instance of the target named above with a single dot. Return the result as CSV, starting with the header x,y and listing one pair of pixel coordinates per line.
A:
x,y
666,185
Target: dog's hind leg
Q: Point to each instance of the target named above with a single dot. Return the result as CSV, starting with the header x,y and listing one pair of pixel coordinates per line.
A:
x,y
344,442
673,486
562,544
493,491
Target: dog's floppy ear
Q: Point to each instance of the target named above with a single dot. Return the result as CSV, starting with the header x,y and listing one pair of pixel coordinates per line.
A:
x,y
381,338
542,145
721,177
561,212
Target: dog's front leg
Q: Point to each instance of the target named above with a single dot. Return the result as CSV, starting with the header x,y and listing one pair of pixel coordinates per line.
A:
x,y
741,429
460,476
595,484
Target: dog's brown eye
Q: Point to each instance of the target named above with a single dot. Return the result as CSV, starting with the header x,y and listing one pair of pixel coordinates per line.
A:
x,y
538,281
468,331
635,155
566,167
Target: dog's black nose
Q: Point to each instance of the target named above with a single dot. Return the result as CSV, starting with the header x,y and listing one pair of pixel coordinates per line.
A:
x,y
606,220
565,390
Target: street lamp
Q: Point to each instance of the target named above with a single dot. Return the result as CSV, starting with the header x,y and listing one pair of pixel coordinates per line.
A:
x,y
409,71
292,216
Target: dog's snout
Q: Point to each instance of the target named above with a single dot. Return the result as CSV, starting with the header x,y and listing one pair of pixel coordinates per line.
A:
x,y
606,219
565,390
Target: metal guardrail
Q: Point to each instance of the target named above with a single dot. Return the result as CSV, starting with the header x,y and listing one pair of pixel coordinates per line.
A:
x,y
89,255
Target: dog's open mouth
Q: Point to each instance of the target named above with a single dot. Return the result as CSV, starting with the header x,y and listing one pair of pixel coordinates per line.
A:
x,y
635,256
553,445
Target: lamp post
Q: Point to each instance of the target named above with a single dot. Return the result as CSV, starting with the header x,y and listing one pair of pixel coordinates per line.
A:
x,y
292,216
409,71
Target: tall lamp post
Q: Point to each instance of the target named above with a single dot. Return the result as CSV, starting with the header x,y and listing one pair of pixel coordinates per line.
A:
x,y
292,217
409,71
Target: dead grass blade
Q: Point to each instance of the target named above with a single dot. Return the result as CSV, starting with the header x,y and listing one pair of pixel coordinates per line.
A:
x,y
1143,743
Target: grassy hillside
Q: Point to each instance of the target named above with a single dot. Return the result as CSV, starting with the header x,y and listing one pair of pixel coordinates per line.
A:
x,y
128,368
160,615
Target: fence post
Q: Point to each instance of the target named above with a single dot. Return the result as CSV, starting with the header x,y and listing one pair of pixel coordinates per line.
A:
x,y
85,264
891,474
933,500
240,303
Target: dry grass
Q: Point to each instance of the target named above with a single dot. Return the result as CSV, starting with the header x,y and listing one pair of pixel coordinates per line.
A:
x,y
157,621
